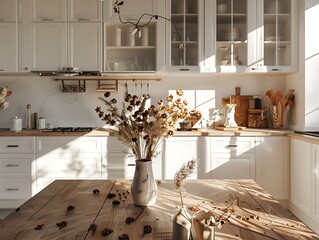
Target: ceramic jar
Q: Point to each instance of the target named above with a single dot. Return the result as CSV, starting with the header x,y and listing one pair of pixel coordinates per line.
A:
x,y
181,225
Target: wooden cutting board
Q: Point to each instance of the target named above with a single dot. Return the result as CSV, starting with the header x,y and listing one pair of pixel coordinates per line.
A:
x,y
241,110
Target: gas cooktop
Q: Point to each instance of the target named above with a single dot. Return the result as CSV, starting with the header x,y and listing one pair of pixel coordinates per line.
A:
x,y
310,133
70,129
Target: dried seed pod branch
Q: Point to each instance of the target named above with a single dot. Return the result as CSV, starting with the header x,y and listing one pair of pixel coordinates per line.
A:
x,y
180,176
142,128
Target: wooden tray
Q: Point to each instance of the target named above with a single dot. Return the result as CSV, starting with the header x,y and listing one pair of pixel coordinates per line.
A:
x,y
230,128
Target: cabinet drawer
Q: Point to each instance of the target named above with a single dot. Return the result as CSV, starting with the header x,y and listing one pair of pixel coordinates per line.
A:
x,y
65,145
17,144
16,163
225,166
77,165
232,145
15,187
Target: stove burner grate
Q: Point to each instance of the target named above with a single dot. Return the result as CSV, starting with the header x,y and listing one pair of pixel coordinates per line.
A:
x,y
72,129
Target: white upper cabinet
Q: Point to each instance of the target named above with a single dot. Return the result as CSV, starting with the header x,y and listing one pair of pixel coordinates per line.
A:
x,y
8,11
278,38
53,38
184,41
48,10
127,52
229,34
85,46
8,36
48,50
63,10
250,36
85,11
130,10
8,47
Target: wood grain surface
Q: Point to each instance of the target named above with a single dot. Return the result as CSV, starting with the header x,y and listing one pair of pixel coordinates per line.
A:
x,y
241,109
248,212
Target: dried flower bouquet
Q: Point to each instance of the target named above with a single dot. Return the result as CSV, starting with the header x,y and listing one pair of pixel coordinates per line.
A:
x,y
142,129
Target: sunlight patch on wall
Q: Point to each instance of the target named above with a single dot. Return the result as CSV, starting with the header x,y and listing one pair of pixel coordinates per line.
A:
x,y
202,100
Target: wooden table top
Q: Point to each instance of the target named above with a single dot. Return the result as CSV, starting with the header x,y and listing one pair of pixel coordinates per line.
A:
x,y
66,209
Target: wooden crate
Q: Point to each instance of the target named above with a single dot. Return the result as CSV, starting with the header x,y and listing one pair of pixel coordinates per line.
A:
x,y
257,118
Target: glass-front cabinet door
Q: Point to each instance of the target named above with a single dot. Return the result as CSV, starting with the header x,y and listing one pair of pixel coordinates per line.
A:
x,y
250,36
185,37
231,33
278,34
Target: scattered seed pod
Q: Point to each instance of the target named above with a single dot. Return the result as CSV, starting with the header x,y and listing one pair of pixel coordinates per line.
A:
x,y
107,231
115,202
70,208
61,224
147,229
96,191
39,227
124,237
129,220
93,227
111,195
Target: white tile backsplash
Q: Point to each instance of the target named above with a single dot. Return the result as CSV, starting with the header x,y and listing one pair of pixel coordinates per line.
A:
x,y
77,109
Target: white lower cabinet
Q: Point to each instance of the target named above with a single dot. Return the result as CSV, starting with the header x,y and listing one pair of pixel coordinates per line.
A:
x,y
300,175
67,158
16,170
272,165
304,198
315,184
232,157
179,150
118,162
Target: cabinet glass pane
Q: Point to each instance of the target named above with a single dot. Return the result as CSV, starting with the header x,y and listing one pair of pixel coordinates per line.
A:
x,y
277,32
231,48
184,15
127,52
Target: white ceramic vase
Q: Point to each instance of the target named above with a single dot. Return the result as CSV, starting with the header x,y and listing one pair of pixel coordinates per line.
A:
x,y
144,188
181,225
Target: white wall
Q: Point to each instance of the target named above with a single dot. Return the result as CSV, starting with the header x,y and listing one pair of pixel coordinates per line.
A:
x,y
77,109
306,114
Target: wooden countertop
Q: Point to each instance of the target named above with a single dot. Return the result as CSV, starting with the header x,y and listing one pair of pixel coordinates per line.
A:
x,y
195,133
248,212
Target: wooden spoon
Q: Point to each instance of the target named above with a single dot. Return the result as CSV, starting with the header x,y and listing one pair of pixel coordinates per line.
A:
x,y
279,95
